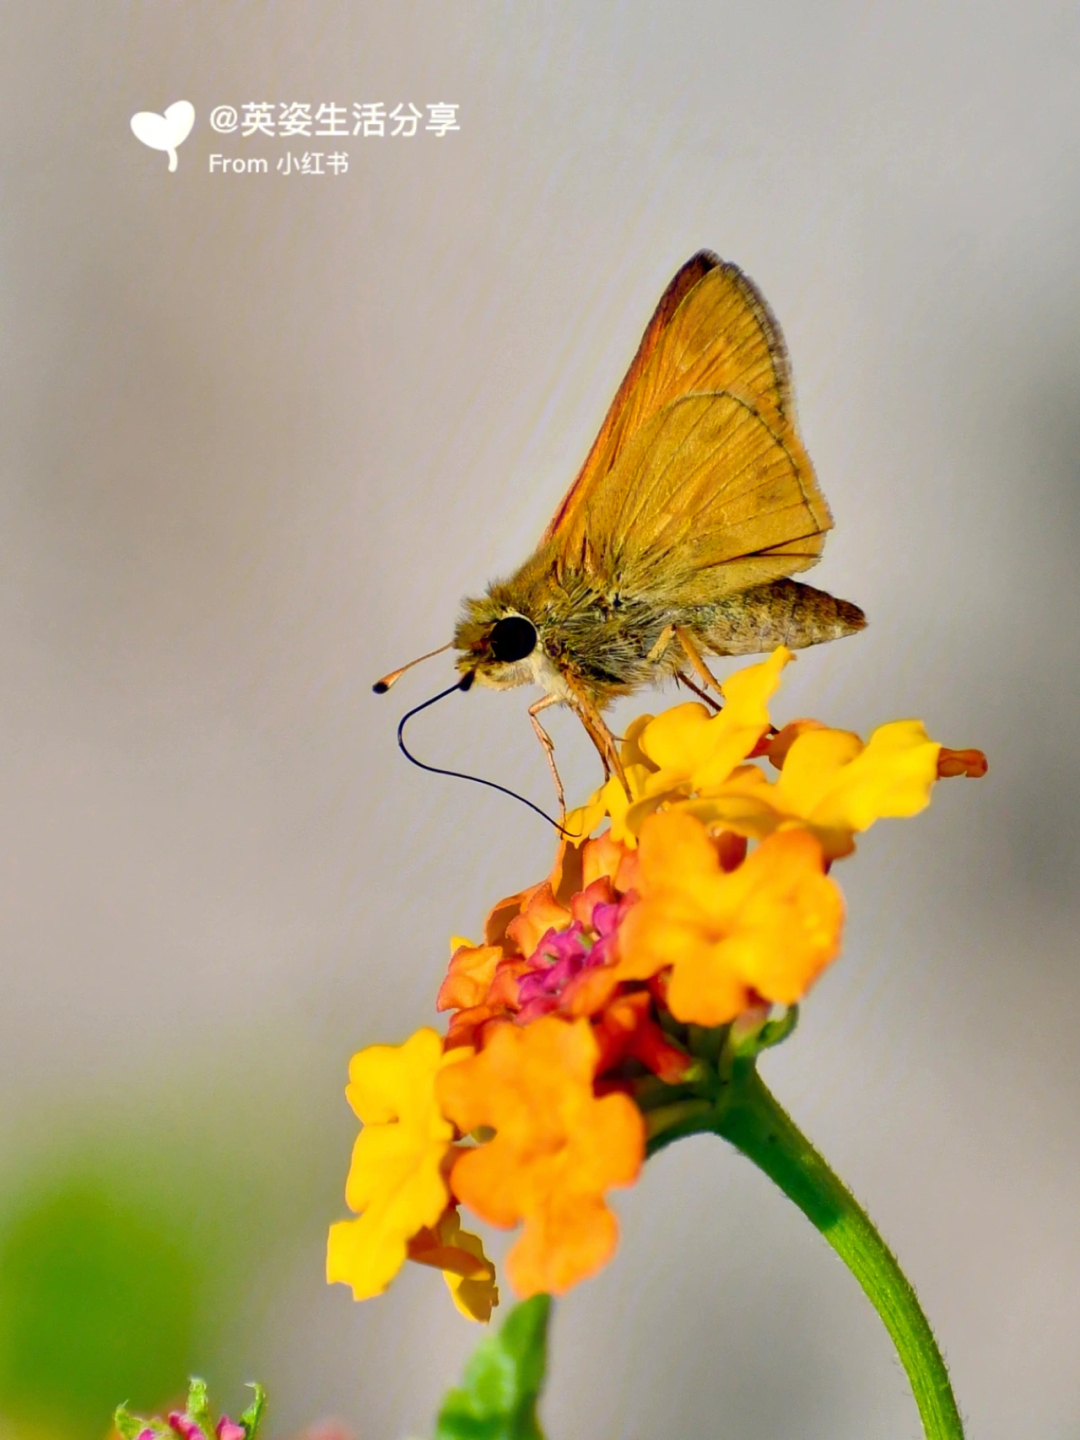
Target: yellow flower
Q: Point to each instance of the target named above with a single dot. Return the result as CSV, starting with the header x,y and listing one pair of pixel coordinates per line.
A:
x,y
834,782
831,783
694,750
764,931
556,1149
469,1274
396,1182
683,750
610,800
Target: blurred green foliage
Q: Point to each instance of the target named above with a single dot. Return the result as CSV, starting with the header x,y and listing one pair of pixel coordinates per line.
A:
x,y
142,1231
98,1303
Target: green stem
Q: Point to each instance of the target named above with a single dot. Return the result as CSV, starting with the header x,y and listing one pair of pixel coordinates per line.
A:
x,y
750,1118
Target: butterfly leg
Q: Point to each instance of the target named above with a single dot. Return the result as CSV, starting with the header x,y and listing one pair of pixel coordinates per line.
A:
x,y
668,635
597,732
549,748
663,644
684,679
697,664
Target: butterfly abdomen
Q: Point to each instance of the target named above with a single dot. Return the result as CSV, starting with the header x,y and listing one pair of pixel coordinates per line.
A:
x,y
784,612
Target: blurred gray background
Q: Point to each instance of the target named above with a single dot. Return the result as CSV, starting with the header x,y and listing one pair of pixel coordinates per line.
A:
x,y
261,433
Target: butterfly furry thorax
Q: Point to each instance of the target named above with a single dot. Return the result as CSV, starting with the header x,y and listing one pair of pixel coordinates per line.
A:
x,y
586,632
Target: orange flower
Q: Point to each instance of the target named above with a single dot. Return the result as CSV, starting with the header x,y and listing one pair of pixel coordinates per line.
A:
x,y
562,917
765,929
557,1148
541,913
468,980
626,1029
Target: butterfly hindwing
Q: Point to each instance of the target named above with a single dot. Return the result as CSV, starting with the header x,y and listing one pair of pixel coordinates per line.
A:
x,y
705,498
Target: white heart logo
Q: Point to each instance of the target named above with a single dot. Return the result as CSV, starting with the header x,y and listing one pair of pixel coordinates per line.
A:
x,y
165,132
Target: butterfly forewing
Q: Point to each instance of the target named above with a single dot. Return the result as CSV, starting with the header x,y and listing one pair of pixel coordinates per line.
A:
x,y
721,338
711,331
684,280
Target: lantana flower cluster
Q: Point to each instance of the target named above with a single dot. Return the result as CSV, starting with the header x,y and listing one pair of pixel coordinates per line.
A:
x,y
194,1422
599,998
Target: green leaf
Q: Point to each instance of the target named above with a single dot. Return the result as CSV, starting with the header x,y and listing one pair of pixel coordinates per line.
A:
x,y
749,1045
129,1426
502,1381
198,1406
253,1414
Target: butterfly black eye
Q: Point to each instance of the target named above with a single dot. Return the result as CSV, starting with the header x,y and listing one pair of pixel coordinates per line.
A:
x,y
512,638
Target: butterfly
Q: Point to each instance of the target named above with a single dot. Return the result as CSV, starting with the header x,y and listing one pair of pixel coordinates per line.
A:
x,y
675,542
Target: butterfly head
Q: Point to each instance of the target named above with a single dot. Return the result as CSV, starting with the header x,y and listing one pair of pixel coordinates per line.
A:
x,y
501,648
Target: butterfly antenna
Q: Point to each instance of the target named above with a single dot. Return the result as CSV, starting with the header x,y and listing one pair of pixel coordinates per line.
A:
x,y
381,686
466,684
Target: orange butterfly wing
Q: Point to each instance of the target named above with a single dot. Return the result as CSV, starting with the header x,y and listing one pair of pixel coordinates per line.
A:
x,y
697,484
706,498
598,459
